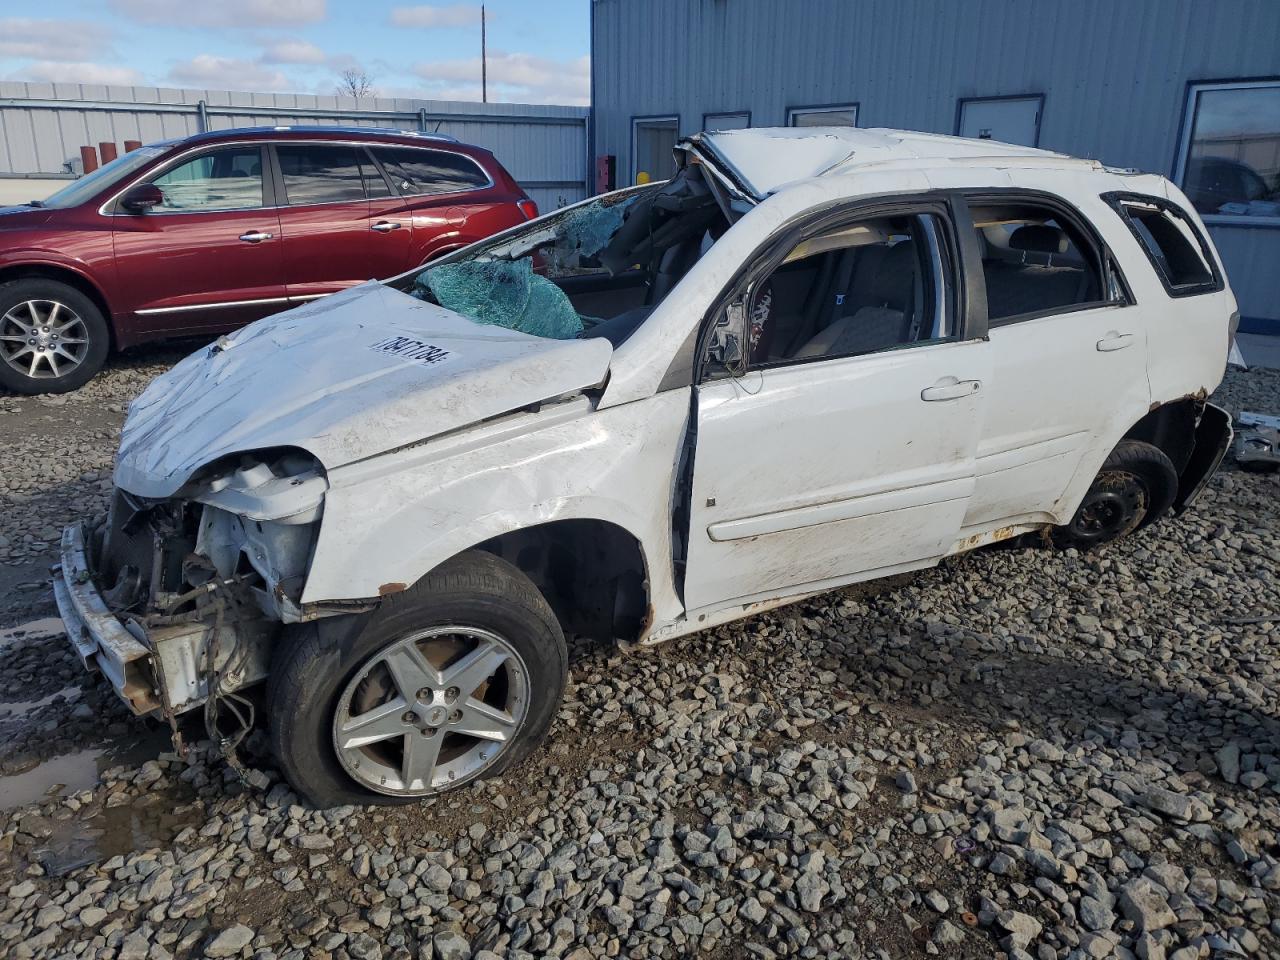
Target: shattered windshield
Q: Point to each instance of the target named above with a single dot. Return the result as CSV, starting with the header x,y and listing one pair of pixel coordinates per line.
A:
x,y
596,269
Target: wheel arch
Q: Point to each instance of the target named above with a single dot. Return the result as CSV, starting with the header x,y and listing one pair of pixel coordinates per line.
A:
x,y
1170,428
592,572
1193,434
62,274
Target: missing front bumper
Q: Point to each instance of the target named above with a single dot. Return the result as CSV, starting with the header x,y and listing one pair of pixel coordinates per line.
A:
x,y
155,669
100,639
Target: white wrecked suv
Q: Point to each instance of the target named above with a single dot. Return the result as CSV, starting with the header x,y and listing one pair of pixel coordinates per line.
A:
x,y
811,358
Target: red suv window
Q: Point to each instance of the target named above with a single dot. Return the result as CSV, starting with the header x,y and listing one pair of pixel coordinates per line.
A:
x,y
321,173
417,171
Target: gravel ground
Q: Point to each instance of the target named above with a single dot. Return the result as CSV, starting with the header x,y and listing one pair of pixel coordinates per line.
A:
x,y
1020,753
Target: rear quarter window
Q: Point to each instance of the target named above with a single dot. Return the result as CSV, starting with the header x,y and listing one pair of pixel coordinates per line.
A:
x,y
416,171
1176,248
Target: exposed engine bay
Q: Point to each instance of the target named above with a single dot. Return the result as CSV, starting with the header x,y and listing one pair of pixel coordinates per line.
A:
x,y
203,582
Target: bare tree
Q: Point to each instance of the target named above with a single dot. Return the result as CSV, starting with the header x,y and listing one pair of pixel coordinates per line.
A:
x,y
356,83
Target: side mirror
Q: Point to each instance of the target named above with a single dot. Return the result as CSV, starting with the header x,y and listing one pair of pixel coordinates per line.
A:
x,y
141,198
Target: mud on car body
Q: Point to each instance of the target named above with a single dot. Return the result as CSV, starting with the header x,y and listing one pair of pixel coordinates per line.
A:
x,y
811,358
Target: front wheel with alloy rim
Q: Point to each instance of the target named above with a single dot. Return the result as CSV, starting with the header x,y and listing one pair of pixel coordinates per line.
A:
x,y
447,683
53,338
1136,485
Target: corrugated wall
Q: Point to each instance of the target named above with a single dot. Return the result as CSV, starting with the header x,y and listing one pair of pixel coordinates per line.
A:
x,y
1114,74
43,125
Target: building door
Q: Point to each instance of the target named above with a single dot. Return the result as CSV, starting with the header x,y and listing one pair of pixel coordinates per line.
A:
x,y
653,143
1007,119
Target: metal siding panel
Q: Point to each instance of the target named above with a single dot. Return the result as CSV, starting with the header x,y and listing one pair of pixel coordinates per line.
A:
x,y
1114,75
42,139
1250,256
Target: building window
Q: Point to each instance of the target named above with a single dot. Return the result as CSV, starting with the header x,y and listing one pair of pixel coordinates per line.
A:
x,y
711,122
827,115
1006,119
1229,161
653,144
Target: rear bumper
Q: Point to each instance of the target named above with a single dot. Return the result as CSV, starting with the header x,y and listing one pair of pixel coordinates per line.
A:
x,y
99,638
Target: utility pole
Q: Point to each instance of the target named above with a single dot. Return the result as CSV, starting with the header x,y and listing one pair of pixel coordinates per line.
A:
x,y
484,61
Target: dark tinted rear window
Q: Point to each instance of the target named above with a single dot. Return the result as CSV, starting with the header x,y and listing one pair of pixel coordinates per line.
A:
x,y
417,171
319,173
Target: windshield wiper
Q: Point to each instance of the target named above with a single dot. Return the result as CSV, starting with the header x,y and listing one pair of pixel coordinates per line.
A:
x,y
35,203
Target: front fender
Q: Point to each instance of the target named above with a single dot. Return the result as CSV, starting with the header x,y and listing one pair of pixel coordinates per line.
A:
x,y
389,520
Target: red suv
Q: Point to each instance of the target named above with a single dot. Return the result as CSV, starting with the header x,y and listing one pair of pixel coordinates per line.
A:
x,y
207,233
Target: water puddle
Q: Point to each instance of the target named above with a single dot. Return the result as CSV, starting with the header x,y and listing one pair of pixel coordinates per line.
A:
x,y
21,708
147,821
63,839
69,773
12,636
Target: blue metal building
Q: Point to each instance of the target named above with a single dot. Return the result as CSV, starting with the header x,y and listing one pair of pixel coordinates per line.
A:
x,y
1186,88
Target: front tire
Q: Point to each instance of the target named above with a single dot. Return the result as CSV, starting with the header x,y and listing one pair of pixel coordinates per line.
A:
x,y
1135,487
53,338
450,682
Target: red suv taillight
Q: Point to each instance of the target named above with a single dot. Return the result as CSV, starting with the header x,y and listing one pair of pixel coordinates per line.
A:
x,y
528,208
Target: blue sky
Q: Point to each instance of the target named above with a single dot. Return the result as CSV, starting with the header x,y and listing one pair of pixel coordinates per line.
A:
x,y
538,52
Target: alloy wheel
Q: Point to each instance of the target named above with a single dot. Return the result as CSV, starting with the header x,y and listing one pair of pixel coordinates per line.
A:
x,y
43,339
430,711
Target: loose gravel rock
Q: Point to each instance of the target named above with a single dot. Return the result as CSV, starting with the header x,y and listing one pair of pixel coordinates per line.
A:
x,y
1049,755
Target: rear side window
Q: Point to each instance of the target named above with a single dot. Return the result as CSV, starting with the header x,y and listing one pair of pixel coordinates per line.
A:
x,y
1037,261
320,173
1172,243
416,172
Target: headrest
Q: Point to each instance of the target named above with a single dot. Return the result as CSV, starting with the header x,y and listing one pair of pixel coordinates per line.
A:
x,y
1038,238
896,275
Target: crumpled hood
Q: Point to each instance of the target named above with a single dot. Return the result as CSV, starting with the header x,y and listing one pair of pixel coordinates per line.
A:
x,y
353,375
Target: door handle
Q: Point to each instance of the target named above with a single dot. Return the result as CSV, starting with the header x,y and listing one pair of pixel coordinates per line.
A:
x,y
384,226
1115,341
255,236
949,388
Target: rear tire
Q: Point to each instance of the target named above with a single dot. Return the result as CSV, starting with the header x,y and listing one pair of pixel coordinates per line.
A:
x,y
53,338
1135,487
326,699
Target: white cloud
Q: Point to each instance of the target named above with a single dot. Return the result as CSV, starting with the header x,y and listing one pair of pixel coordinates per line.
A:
x,y
293,51
224,13
456,15
518,77
60,71
70,40
226,73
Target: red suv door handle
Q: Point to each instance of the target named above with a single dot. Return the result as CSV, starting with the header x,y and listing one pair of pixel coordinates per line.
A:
x,y
254,236
384,226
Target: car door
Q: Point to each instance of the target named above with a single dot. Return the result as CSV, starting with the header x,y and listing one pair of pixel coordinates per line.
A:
x,y
325,230
208,255
1068,356
437,191
841,445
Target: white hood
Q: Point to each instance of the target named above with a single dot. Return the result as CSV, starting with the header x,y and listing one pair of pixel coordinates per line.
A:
x,y
358,373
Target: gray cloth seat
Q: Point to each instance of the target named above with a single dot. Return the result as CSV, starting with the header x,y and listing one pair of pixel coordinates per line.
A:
x,y
873,312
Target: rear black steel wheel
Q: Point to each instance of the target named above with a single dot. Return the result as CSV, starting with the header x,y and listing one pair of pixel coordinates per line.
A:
x,y
1135,486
